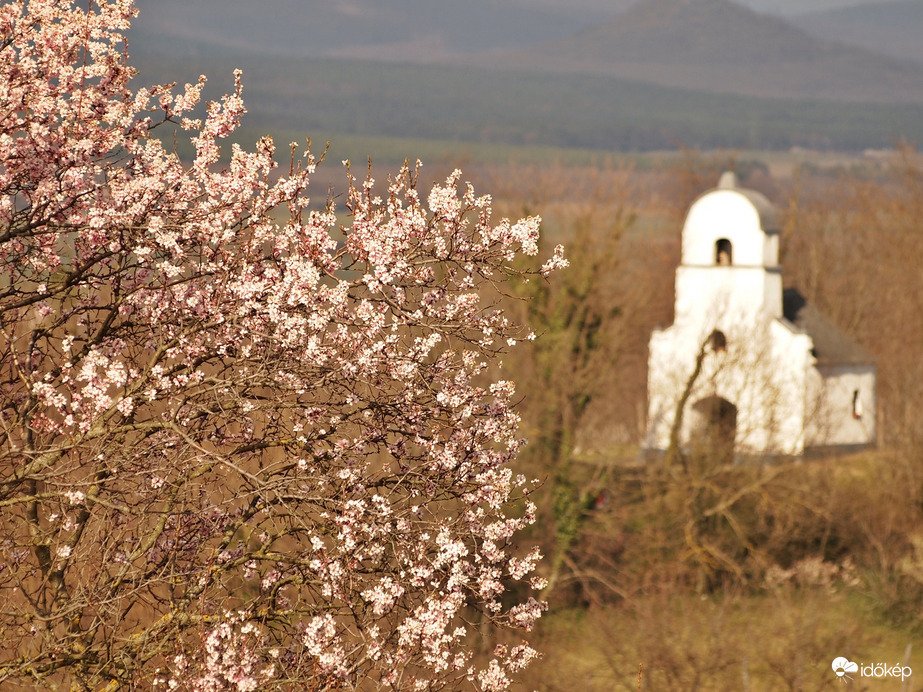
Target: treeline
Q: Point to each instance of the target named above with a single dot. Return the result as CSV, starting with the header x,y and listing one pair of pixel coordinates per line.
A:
x,y
343,97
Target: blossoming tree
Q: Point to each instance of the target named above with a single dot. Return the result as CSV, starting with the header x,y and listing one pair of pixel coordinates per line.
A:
x,y
241,445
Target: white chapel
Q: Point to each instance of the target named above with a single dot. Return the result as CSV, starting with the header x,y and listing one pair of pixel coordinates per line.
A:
x,y
745,364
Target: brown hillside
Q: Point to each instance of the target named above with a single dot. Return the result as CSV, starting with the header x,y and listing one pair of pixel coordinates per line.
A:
x,y
717,45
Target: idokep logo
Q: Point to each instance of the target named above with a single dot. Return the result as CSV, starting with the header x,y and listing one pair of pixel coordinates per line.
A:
x,y
843,667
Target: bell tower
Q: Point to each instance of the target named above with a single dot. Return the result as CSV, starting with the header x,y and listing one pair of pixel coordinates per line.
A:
x,y
729,274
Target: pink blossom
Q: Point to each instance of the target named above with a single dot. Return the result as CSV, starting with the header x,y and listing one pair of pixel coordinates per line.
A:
x,y
75,497
212,379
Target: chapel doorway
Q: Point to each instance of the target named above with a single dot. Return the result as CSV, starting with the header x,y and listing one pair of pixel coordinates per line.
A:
x,y
716,427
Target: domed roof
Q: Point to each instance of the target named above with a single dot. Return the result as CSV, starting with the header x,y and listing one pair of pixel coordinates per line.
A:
x,y
764,208
727,221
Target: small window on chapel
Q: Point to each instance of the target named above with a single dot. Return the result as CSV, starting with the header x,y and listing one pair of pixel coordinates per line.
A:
x,y
723,254
718,341
856,405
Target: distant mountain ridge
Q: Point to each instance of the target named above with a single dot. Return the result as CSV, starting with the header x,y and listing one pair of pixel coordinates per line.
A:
x,y
291,94
356,28
720,46
893,28
447,30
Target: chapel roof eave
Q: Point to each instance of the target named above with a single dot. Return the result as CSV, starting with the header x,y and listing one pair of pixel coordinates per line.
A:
x,y
832,347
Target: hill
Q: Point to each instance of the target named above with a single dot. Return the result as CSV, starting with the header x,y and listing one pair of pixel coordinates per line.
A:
x,y
417,30
338,99
720,46
891,28
793,8
291,94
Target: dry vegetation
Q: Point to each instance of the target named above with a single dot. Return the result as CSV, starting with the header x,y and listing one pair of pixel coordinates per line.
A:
x,y
719,576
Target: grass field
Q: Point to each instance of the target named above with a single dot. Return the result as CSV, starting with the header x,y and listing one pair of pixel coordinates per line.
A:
x,y
784,639
781,628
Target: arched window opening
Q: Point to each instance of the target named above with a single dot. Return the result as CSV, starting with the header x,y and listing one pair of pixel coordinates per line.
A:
x,y
723,253
856,405
718,341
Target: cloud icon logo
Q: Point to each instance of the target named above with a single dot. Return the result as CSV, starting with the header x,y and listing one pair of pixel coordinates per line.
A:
x,y
842,666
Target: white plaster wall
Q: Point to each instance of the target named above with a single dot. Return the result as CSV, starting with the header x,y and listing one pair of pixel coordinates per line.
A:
x,y
830,419
792,364
762,373
771,250
726,296
670,363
